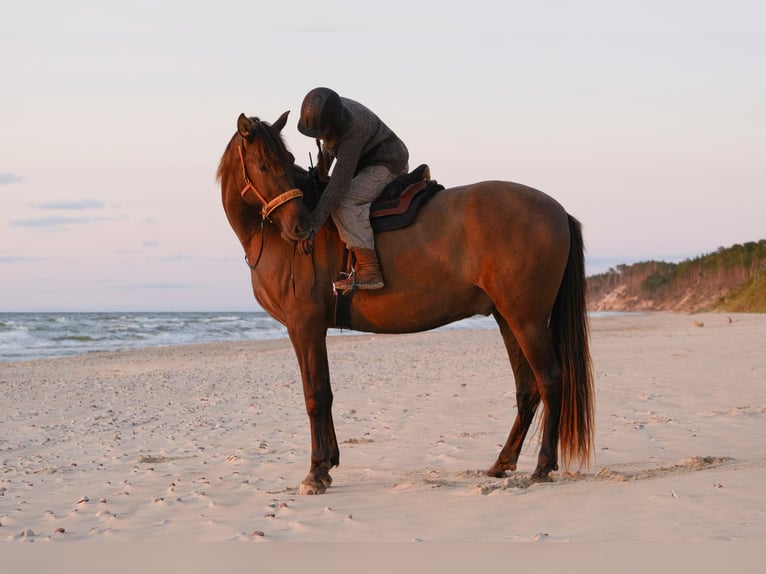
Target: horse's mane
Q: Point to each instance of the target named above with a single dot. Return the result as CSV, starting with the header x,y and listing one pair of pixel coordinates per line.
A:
x,y
269,146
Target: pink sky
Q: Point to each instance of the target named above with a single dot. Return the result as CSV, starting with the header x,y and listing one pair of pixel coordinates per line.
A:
x,y
646,120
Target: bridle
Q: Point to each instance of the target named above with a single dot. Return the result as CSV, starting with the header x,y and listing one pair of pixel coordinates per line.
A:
x,y
268,206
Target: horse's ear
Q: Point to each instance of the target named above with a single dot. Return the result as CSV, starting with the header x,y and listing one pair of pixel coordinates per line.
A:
x,y
244,126
280,123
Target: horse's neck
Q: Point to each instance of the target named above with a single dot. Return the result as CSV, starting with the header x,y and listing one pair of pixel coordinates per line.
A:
x,y
275,259
244,219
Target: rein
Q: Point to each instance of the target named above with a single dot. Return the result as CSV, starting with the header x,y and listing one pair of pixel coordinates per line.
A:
x,y
254,266
268,206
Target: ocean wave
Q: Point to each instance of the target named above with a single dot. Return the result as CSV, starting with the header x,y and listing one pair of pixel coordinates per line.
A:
x,y
40,335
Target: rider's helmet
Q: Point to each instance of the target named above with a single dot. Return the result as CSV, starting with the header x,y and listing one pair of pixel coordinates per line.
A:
x,y
321,112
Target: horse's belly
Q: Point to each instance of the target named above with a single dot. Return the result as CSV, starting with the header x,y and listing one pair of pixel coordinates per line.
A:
x,y
410,311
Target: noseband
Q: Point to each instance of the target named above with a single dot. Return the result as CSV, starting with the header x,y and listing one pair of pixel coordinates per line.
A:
x,y
268,206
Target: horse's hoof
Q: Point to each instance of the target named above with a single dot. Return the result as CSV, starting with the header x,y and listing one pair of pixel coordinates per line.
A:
x,y
498,470
312,487
541,477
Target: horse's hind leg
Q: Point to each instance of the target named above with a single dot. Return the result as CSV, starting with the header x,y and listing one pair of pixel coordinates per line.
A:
x,y
536,345
527,401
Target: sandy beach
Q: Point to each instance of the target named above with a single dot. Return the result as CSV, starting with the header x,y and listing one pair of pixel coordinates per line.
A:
x,y
209,443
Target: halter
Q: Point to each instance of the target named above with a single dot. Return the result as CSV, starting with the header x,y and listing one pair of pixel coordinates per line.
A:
x,y
268,206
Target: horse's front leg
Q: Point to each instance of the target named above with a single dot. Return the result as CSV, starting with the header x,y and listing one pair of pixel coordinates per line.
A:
x,y
311,349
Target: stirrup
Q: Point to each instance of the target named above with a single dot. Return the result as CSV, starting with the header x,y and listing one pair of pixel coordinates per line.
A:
x,y
342,286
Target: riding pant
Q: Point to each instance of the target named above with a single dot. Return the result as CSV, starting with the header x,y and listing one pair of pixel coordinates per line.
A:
x,y
352,214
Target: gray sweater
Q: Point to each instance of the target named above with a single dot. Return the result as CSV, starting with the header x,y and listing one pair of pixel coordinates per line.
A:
x,y
365,141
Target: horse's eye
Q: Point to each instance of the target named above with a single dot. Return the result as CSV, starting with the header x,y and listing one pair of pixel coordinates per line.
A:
x,y
263,167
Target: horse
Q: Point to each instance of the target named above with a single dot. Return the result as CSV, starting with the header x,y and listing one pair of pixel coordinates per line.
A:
x,y
492,247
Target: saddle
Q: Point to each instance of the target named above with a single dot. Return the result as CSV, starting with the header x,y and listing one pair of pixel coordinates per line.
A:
x,y
401,199
395,208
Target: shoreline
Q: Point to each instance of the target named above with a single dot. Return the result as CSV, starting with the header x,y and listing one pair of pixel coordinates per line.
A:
x,y
208,442
31,336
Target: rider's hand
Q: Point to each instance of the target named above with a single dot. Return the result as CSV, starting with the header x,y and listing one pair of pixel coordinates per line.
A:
x,y
306,246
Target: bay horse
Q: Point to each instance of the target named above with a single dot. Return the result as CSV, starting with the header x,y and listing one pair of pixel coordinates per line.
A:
x,y
492,247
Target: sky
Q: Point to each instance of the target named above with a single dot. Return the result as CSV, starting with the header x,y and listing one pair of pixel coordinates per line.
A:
x,y
645,119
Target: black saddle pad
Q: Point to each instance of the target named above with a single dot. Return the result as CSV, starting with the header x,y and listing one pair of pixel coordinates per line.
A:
x,y
401,199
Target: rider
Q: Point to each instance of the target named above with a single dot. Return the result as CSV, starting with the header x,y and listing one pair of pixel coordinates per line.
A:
x,y
368,155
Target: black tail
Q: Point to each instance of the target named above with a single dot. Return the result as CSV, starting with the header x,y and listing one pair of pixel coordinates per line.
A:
x,y
570,338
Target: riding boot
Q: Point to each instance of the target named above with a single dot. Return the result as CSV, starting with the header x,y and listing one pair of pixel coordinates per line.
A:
x,y
366,274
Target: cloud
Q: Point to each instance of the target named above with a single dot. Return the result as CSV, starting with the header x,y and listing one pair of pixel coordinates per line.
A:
x,y
72,205
58,221
14,259
9,178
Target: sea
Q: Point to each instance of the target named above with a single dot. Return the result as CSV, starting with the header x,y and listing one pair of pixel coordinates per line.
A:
x,y
25,336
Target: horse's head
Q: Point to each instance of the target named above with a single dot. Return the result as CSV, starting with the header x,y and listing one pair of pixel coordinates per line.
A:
x,y
267,176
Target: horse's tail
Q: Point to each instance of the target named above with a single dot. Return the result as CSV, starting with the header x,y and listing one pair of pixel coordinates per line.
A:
x,y
569,335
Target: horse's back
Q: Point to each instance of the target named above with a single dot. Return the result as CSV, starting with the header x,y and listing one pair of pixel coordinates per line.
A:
x,y
468,247
507,201
488,215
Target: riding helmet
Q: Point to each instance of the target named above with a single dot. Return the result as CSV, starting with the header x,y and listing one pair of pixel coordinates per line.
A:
x,y
321,111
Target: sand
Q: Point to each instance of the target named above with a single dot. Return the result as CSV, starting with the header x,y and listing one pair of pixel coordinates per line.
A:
x,y
208,443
